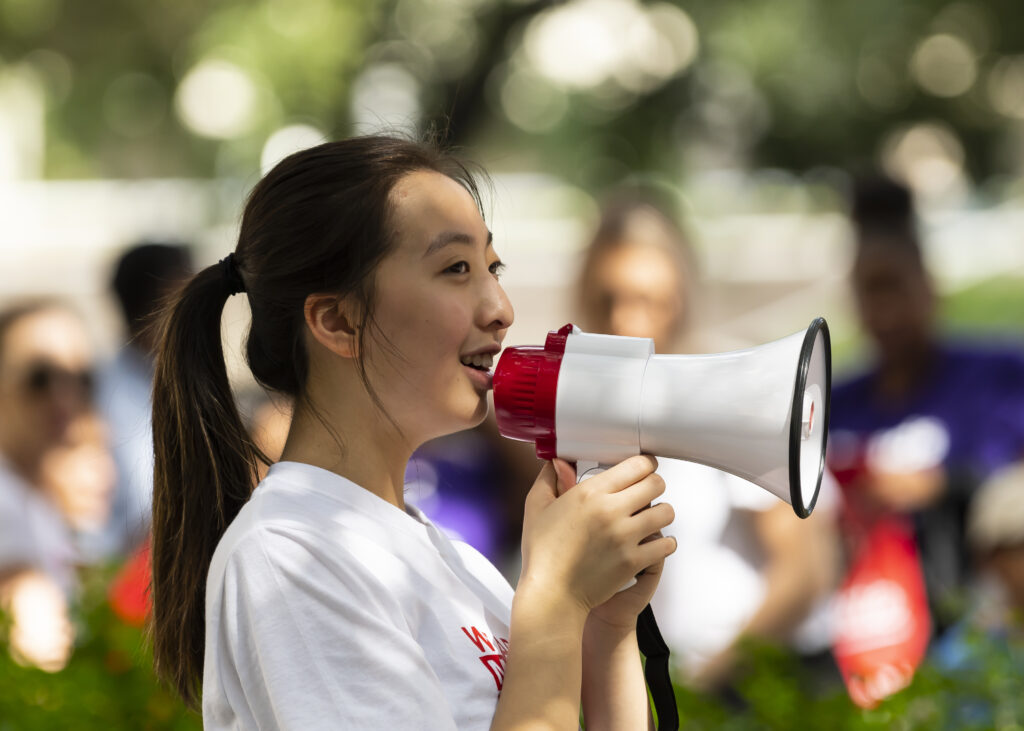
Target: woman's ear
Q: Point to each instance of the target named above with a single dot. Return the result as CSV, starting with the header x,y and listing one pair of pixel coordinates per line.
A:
x,y
331,320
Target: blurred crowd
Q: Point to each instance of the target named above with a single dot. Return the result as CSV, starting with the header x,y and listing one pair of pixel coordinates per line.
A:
x,y
916,542
76,453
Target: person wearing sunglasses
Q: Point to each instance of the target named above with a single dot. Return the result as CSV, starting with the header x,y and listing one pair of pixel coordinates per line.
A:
x,y
45,394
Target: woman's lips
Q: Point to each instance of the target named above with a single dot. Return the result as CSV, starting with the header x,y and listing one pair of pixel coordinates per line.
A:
x,y
479,377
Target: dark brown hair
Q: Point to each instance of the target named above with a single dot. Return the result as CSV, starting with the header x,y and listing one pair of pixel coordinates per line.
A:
x,y
318,222
883,216
12,313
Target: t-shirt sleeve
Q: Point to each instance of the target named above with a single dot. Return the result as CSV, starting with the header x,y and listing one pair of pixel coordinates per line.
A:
x,y
16,539
298,639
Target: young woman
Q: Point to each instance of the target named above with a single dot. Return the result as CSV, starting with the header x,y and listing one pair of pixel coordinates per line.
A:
x,y
322,599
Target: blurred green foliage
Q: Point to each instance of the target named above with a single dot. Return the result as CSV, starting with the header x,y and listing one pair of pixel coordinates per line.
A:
x,y
109,685
774,691
995,306
793,84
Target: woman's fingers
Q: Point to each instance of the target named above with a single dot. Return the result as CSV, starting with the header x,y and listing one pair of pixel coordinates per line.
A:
x,y
638,496
651,552
652,520
627,472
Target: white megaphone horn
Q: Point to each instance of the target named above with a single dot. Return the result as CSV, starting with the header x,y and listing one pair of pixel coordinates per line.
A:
x,y
760,413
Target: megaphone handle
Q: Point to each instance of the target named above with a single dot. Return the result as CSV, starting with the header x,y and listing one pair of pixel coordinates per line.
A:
x,y
585,469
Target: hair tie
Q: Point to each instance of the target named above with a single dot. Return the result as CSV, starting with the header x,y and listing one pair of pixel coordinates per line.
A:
x,y
232,277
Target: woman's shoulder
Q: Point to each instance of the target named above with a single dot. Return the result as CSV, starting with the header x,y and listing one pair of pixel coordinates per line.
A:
x,y
287,532
270,558
276,524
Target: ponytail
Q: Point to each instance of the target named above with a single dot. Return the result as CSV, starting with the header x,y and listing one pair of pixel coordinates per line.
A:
x,y
204,469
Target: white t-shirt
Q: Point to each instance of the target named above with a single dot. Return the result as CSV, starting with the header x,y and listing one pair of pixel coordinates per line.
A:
x,y
714,583
329,608
33,533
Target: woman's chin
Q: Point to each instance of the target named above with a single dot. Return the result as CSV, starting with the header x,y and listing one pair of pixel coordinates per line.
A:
x,y
474,415
480,414
469,416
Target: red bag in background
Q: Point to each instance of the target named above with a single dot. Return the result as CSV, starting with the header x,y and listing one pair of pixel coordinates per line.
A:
x,y
882,620
129,592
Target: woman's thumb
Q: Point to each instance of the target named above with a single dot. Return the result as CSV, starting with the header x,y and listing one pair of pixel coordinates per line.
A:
x,y
554,479
545,487
566,475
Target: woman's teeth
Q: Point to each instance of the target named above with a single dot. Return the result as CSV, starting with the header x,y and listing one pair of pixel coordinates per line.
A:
x,y
481,362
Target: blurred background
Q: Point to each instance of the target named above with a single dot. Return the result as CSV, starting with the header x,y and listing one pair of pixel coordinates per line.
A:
x,y
123,121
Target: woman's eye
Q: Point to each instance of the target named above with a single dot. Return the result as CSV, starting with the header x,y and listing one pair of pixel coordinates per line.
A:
x,y
458,268
497,268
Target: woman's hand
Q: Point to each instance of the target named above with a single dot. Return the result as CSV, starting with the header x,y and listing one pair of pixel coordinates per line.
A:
x,y
620,612
579,549
595,537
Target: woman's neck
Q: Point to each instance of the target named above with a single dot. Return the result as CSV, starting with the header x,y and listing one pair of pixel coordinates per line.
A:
x,y
365,449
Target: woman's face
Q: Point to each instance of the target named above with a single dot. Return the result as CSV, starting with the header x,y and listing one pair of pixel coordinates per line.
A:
x,y
440,308
636,290
45,381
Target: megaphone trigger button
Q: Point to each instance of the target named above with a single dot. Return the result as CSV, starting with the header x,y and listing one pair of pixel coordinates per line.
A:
x,y
807,418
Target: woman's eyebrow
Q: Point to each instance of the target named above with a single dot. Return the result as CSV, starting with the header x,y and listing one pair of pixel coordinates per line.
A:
x,y
445,238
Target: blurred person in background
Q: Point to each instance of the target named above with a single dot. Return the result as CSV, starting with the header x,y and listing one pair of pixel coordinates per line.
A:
x,y
995,534
54,475
747,566
143,277
930,418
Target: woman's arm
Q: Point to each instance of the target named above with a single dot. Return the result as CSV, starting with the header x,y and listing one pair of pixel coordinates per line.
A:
x,y
614,689
559,655
543,674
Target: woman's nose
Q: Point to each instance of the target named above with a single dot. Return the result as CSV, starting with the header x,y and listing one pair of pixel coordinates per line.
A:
x,y
496,310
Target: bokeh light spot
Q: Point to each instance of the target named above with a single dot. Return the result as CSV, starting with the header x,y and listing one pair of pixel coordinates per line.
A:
x,y
944,65
217,99
1006,86
530,103
286,140
928,157
385,97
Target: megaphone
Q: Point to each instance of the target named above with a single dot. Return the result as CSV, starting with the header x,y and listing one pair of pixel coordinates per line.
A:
x,y
759,413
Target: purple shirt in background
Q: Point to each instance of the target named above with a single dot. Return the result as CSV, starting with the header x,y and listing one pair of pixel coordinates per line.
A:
x,y
966,415
976,392
457,482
